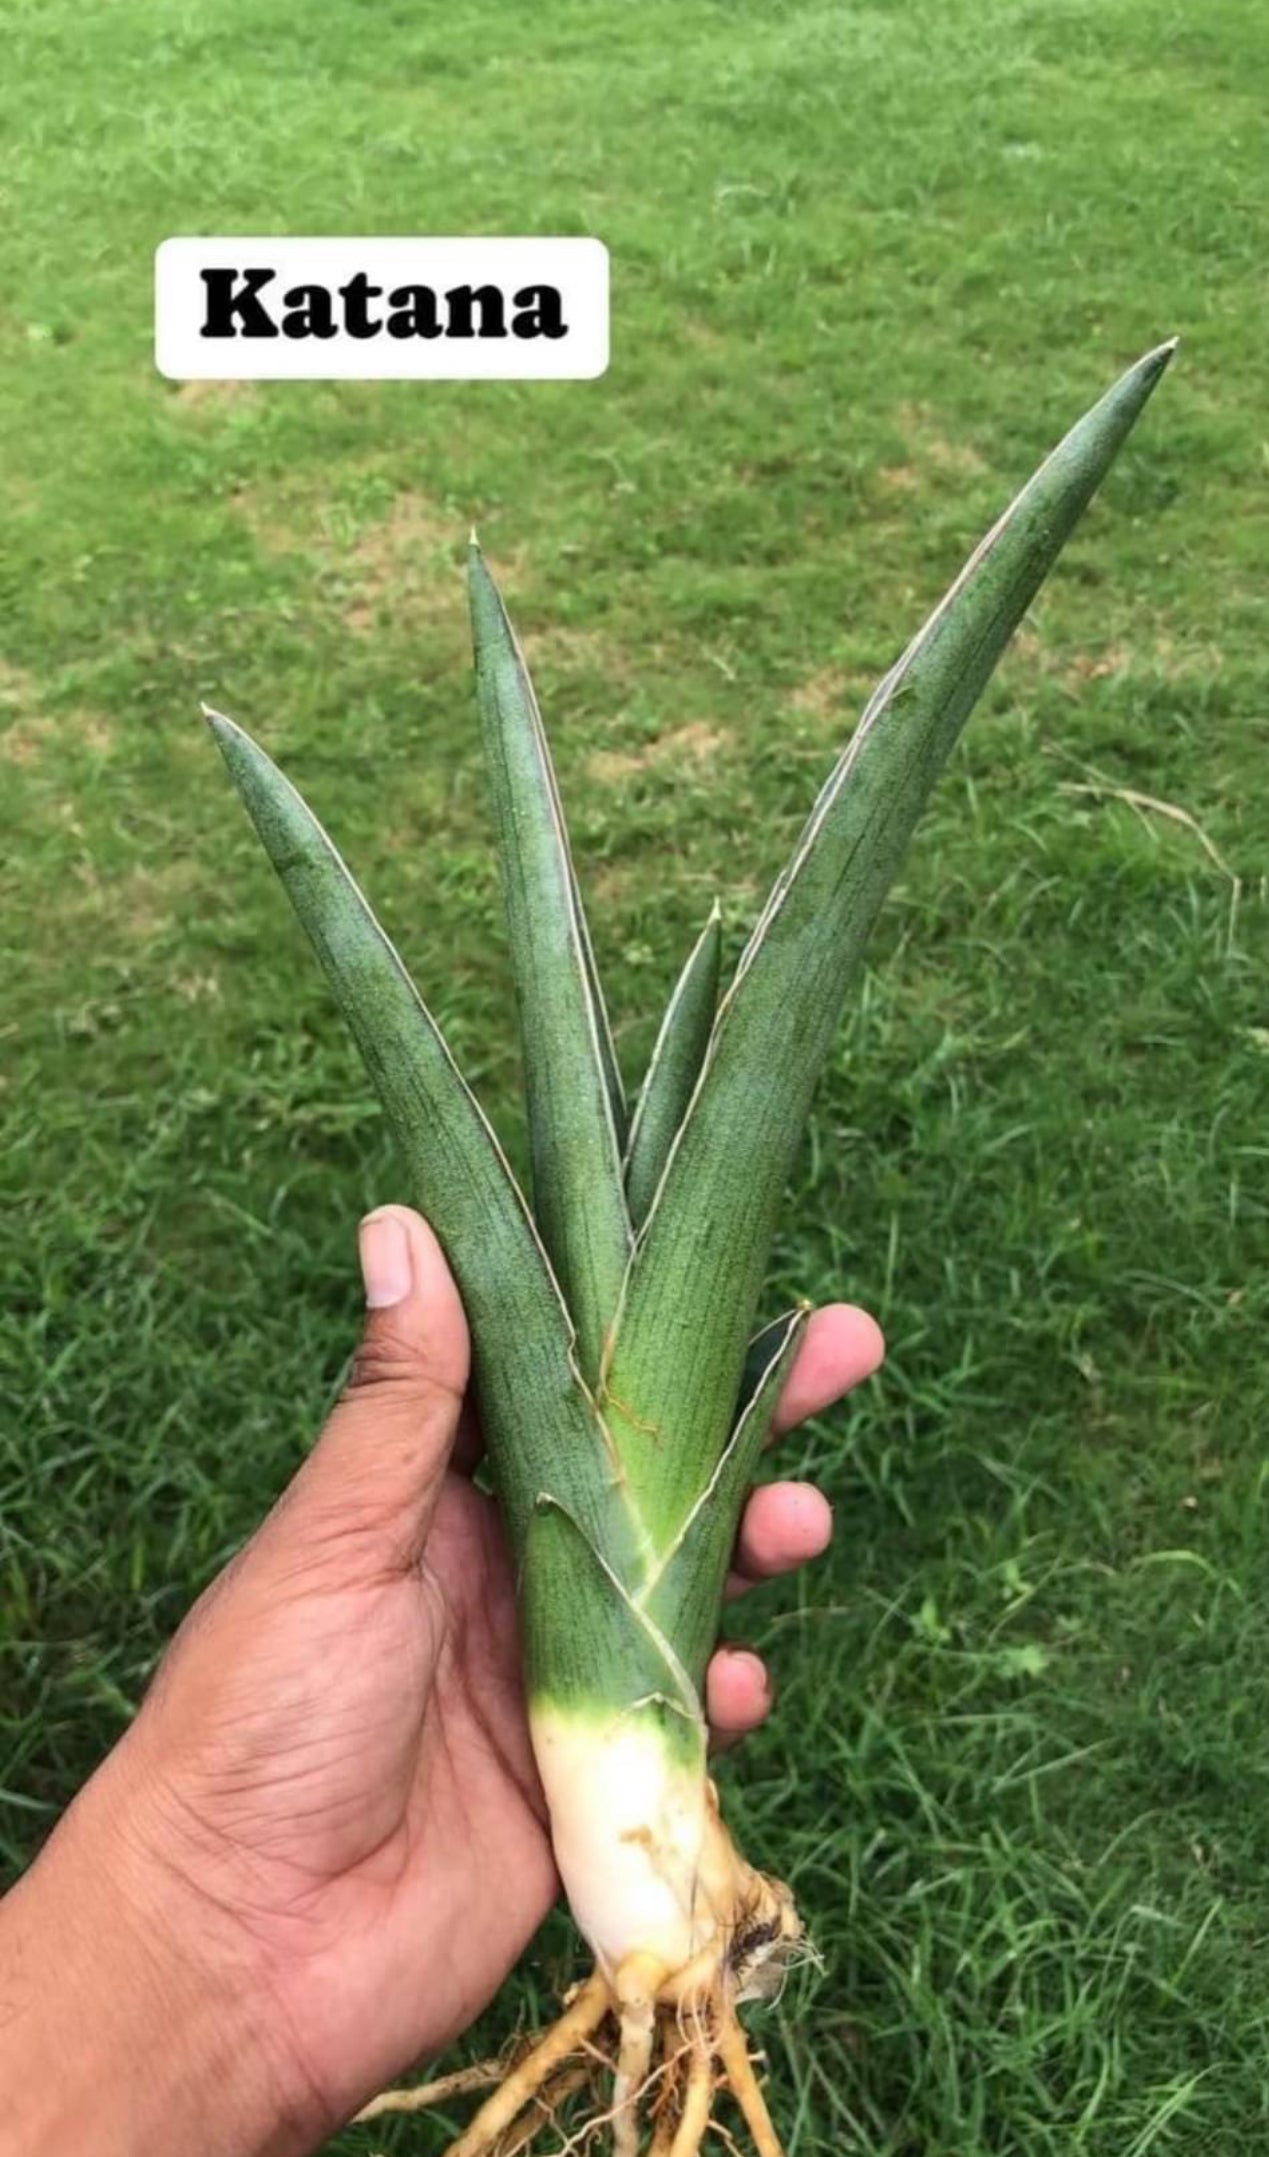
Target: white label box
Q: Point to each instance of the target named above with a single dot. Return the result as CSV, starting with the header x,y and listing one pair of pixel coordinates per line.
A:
x,y
247,309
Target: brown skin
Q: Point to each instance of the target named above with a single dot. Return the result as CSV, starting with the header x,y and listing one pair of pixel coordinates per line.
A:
x,y
321,1846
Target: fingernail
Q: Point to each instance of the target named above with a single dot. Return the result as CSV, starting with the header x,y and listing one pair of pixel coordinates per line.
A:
x,y
385,1260
755,1664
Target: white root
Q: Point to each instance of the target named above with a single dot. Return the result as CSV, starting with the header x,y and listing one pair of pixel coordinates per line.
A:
x,y
637,2010
424,2094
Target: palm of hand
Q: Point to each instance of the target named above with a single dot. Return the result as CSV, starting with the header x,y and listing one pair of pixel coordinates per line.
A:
x,y
361,1788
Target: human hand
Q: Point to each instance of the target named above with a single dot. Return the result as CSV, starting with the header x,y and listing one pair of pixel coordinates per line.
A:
x,y
326,1817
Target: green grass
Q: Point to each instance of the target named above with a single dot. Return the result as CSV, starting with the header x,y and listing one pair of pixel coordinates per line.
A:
x,y
867,263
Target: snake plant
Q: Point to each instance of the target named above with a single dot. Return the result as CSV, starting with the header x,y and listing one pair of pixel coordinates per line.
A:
x,y
623,1401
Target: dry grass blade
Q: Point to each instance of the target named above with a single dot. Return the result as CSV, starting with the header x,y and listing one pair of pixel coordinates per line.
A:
x,y
1153,805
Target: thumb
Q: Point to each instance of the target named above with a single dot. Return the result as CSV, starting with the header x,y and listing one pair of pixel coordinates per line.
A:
x,y
375,1472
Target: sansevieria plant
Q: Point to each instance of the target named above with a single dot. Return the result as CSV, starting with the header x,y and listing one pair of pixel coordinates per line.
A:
x,y
623,1397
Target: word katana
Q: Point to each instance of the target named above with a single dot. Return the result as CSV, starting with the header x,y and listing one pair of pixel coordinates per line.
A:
x,y
241,303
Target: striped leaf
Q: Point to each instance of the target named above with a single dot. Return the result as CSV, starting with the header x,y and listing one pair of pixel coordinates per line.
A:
x,y
598,1639
540,1426
698,1268
674,1068
588,1642
570,1073
684,1596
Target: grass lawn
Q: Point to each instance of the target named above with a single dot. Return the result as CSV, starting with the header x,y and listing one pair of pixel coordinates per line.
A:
x,y
868,262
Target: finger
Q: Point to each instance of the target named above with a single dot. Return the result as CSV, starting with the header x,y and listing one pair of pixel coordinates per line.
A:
x,y
376,1470
738,1694
784,1525
842,1346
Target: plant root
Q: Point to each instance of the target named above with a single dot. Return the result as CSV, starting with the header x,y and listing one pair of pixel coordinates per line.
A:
x,y
562,2040
698,2103
743,2084
541,2111
636,1993
651,2048
660,2059
459,2084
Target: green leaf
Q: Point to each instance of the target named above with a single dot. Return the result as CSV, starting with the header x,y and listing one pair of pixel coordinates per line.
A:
x,y
538,1422
684,1593
699,1265
570,1072
588,1643
758,1356
674,1068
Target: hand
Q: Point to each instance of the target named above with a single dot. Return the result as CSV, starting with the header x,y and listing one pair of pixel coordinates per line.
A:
x,y
328,1803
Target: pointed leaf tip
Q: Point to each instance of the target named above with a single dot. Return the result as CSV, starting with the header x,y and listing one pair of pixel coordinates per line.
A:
x,y
455,1171
703,1245
234,744
1153,363
572,1084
